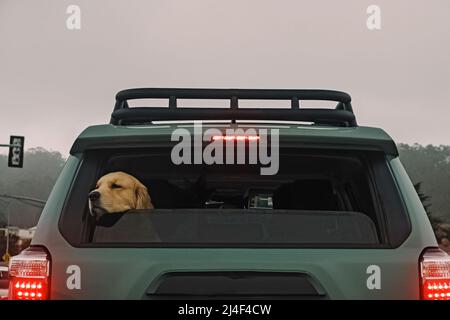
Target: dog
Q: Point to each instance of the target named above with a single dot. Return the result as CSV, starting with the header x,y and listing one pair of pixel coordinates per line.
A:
x,y
118,192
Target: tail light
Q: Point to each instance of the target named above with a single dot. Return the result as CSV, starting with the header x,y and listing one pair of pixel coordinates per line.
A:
x,y
435,275
30,275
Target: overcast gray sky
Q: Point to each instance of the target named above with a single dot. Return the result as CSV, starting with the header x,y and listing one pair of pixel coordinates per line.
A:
x,y
54,82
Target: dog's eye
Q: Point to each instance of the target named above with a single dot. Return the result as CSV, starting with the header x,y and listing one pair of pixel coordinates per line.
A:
x,y
115,186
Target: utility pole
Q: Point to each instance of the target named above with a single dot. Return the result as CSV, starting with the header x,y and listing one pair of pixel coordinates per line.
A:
x,y
15,160
7,255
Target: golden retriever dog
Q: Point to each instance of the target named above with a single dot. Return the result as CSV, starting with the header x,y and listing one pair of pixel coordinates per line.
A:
x,y
118,192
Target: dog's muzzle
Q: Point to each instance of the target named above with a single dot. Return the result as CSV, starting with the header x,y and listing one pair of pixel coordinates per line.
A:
x,y
94,208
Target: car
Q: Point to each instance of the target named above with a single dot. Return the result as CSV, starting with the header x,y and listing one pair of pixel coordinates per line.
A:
x,y
4,280
280,194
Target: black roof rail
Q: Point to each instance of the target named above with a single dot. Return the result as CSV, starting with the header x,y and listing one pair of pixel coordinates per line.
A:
x,y
342,115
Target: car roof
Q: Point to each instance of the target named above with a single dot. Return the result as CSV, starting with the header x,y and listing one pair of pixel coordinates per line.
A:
x,y
336,127
126,136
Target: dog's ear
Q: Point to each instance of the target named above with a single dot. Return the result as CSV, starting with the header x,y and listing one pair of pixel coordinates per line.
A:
x,y
142,197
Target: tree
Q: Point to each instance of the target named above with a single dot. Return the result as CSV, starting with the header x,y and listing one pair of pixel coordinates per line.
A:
x,y
430,165
435,222
34,180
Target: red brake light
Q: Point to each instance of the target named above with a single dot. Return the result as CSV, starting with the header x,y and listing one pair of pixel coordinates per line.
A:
x,y
435,275
29,275
236,138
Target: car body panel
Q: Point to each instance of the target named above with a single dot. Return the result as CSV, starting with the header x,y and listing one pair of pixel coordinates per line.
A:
x,y
4,281
129,273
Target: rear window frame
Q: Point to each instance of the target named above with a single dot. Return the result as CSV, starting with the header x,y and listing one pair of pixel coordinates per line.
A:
x,y
75,229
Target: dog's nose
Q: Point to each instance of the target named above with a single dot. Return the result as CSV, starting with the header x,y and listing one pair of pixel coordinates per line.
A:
x,y
94,195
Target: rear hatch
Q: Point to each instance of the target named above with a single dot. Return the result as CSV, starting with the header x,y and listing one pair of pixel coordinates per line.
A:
x,y
324,226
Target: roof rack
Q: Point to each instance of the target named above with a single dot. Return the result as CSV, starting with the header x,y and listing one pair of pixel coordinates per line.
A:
x,y
341,115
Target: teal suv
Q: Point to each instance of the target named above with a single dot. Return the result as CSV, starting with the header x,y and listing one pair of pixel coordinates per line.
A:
x,y
255,194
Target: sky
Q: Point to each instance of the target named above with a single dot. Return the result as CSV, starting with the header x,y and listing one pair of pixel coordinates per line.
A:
x,y
54,82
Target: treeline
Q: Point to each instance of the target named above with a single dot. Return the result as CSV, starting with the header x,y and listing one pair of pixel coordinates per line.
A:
x,y
427,165
35,180
430,166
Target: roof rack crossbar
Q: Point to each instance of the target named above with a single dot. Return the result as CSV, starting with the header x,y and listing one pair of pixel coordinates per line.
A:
x,y
342,114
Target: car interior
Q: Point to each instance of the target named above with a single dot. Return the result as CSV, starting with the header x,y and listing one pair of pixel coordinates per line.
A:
x,y
330,187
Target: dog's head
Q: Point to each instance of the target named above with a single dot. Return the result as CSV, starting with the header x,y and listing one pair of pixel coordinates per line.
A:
x,y
118,192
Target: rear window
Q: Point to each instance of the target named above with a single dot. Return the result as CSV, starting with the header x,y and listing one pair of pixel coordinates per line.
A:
x,y
325,198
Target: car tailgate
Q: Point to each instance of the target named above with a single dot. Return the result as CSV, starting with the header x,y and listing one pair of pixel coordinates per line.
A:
x,y
152,273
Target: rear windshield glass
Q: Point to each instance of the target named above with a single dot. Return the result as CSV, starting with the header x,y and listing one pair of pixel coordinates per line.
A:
x,y
232,226
325,198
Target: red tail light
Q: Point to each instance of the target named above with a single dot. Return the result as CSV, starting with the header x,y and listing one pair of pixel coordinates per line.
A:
x,y
236,138
435,275
30,275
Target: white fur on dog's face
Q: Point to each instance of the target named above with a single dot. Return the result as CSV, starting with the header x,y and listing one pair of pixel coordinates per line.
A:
x,y
118,192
